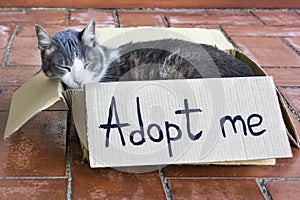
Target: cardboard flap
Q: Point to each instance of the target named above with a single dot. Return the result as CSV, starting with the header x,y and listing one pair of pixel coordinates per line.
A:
x,y
112,37
34,96
75,100
291,130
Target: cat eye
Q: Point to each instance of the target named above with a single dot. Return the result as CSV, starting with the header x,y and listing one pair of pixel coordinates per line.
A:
x,y
86,65
63,67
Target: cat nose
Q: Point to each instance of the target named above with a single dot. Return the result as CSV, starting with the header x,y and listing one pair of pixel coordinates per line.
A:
x,y
78,82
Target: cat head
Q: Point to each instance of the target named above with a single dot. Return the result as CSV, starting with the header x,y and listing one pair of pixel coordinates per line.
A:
x,y
73,57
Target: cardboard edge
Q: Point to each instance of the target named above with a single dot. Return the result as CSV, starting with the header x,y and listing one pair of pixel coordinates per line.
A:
x,y
291,130
75,100
243,162
15,119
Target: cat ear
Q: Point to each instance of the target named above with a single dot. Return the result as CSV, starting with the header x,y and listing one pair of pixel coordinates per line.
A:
x,y
89,33
45,41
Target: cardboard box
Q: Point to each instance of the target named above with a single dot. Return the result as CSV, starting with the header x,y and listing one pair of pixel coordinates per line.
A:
x,y
40,93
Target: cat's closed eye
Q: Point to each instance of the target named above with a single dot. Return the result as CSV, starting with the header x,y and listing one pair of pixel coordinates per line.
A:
x,y
89,65
63,67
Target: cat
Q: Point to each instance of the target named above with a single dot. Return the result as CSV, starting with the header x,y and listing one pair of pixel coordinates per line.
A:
x,y
76,58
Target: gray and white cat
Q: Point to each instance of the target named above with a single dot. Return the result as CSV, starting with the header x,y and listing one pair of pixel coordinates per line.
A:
x,y
77,58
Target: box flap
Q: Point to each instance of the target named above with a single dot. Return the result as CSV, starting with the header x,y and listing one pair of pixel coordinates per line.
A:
x,y
291,130
112,37
76,102
34,96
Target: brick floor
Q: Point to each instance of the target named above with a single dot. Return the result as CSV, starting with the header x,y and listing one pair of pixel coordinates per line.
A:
x,y
215,189
44,159
139,18
287,189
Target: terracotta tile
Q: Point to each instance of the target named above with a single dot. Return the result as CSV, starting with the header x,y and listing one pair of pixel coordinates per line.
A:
x,y
286,189
60,105
5,96
29,31
2,54
165,11
208,26
83,17
222,20
274,31
37,149
37,17
295,42
278,17
33,189
268,51
182,12
285,167
152,4
228,12
215,189
137,18
293,96
6,32
109,183
285,76
16,76
25,52
10,11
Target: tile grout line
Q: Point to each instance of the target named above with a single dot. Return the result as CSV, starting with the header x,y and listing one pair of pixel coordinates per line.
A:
x,y
117,18
254,15
32,177
260,36
206,12
235,178
166,20
281,67
24,10
282,179
292,87
166,185
289,106
212,178
297,13
161,9
9,46
68,16
228,37
264,190
69,157
289,45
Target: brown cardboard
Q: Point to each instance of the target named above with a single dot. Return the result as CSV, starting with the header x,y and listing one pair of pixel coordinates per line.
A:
x,y
34,96
145,106
40,93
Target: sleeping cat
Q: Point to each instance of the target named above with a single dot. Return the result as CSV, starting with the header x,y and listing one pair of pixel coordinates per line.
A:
x,y
77,58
